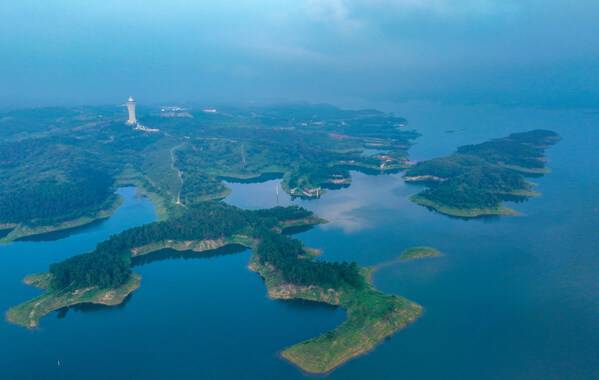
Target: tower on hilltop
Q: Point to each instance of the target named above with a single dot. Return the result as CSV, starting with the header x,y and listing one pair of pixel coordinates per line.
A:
x,y
131,108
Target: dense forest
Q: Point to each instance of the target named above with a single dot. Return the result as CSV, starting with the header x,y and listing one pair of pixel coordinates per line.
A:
x,y
287,256
481,176
85,190
48,180
525,149
109,264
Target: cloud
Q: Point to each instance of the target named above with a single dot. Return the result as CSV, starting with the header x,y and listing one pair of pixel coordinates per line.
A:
x,y
324,50
353,10
327,9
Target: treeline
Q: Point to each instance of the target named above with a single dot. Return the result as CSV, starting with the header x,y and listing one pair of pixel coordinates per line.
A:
x,y
108,265
105,269
520,149
288,257
476,176
84,190
198,187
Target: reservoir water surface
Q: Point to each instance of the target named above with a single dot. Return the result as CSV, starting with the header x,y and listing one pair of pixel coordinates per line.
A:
x,y
511,298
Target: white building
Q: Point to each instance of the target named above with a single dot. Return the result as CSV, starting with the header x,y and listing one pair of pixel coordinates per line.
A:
x,y
131,108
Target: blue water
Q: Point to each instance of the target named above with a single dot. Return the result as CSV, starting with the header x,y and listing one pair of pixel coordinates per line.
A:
x,y
511,298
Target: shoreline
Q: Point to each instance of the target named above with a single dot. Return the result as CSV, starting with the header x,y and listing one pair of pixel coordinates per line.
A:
x,y
372,316
21,231
28,314
463,213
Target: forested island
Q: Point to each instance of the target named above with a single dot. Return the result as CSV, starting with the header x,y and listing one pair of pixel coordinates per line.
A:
x,y
60,166
417,253
104,276
477,179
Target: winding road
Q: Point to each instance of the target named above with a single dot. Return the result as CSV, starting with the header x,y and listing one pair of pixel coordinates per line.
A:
x,y
179,172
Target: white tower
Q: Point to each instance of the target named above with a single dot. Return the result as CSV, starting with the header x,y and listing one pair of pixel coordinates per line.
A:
x,y
131,108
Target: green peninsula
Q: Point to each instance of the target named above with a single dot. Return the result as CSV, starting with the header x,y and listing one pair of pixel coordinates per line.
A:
x,y
477,179
28,314
289,271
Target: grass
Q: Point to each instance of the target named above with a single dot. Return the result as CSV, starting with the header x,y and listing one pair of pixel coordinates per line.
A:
x,y
463,212
28,314
371,317
415,253
162,203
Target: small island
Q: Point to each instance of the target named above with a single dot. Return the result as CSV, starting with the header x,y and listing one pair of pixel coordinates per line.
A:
x,y
289,270
477,179
417,253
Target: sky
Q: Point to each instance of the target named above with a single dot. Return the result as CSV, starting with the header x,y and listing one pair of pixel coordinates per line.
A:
x,y
541,53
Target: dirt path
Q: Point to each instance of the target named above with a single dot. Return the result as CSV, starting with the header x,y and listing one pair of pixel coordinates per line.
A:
x,y
179,172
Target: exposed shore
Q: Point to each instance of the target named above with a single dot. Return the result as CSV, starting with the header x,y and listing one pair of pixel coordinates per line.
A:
x,y
28,314
463,212
371,317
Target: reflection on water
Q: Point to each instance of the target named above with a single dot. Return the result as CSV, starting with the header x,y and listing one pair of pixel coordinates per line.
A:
x,y
296,230
5,232
259,179
62,234
92,308
306,305
172,254
496,303
343,208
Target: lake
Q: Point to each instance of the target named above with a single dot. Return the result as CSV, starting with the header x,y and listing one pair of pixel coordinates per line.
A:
x,y
511,298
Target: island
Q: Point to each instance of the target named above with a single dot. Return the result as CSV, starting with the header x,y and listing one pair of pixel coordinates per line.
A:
x,y
417,253
290,271
477,179
61,166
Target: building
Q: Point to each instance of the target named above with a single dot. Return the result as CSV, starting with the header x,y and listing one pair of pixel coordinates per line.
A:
x,y
131,108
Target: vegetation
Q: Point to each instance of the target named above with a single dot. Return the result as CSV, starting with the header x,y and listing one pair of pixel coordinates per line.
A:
x,y
290,271
415,253
43,184
371,317
60,167
289,257
109,264
29,313
476,179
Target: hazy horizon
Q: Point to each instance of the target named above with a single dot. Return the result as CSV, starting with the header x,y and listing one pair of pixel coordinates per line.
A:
x,y
523,53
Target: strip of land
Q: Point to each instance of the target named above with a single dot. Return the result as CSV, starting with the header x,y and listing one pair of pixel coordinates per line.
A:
x,y
473,212
477,179
23,230
288,268
371,317
28,314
